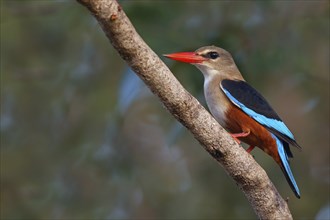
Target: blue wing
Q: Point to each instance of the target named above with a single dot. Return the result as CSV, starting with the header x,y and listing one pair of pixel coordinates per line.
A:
x,y
253,104
286,167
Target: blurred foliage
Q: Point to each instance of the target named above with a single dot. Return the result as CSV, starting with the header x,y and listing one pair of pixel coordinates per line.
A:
x,y
83,138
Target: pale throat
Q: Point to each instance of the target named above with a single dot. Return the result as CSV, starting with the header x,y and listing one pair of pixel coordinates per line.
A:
x,y
215,98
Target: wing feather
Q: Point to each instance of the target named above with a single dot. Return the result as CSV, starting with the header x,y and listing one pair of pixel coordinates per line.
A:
x,y
255,105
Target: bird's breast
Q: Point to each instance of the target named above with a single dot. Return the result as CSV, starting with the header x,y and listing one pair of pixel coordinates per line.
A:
x,y
216,100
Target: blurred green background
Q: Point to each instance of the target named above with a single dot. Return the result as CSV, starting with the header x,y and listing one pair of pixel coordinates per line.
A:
x,y
83,138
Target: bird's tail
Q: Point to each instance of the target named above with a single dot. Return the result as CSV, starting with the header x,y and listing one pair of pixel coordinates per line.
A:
x,y
286,167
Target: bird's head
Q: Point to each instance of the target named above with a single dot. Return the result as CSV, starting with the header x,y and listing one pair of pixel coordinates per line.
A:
x,y
210,60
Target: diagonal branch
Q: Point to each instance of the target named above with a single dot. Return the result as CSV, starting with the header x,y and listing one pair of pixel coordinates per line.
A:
x,y
248,175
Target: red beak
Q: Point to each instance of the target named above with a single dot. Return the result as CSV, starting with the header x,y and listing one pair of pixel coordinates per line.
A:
x,y
186,57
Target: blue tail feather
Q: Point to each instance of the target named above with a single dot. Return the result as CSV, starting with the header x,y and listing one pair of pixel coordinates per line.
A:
x,y
286,167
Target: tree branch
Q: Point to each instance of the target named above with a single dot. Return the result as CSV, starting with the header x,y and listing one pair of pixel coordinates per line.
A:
x,y
248,175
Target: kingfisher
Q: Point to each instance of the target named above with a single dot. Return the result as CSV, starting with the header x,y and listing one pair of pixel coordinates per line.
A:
x,y
240,108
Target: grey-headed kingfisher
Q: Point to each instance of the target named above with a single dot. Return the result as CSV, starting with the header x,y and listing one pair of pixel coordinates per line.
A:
x,y
241,109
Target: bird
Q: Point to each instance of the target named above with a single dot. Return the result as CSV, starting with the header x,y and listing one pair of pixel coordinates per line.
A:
x,y
240,108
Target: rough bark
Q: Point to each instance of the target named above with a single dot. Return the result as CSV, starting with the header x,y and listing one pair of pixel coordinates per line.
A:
x,y
248,175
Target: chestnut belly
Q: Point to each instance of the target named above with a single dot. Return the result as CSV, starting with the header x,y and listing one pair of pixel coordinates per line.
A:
x,y
237,122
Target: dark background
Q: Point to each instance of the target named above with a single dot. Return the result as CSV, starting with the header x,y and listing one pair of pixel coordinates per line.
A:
x,y
83,138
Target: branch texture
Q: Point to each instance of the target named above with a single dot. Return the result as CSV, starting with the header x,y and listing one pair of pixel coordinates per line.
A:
x,y
248,175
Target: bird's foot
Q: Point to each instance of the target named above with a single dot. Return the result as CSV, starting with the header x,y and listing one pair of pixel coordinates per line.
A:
x,y
237,135
236,139
250,149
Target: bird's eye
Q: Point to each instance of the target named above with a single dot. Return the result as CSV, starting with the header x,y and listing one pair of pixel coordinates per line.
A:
x,y
213,55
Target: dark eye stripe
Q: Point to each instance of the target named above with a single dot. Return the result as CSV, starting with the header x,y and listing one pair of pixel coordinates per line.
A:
x,y
212,55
